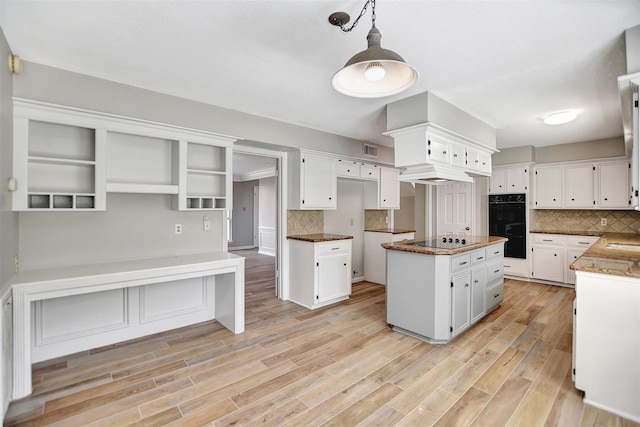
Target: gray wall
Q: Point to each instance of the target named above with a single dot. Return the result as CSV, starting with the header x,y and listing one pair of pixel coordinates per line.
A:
x,y
267,212
242,222
585,150
134,226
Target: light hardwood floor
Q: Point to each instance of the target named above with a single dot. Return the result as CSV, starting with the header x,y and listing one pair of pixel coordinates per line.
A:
x,y
336,366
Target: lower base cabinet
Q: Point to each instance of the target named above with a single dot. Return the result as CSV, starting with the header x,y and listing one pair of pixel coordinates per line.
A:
x,y
320,272
552,254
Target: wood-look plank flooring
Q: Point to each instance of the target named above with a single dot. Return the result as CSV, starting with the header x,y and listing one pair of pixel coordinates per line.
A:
x,y
336,366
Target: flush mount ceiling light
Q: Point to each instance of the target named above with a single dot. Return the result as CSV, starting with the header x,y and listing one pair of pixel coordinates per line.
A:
x,y
374,72
560,118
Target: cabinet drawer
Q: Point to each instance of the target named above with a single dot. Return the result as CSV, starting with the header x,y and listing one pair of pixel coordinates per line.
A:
x,y
460,262
495,295
478,257
495,271
347,168
581,241
549,239
333,247
369,172
494,252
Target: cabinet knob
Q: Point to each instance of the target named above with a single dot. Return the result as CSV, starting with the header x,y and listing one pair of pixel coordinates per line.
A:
x,y
606,198
329,198
455,155
554,200
555,254
466,285
572,199
444,152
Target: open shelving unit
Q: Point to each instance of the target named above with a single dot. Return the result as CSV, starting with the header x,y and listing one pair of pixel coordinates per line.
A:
x,y
68,158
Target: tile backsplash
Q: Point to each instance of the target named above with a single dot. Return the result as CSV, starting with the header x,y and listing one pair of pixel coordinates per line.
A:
x,y
375,219
304,222
587,220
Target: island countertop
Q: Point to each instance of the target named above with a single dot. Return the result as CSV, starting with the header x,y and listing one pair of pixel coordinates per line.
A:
x,y
600,258
477,243
318,237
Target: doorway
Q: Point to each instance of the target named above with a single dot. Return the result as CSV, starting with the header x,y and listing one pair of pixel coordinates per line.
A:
x,y
455,208
255,216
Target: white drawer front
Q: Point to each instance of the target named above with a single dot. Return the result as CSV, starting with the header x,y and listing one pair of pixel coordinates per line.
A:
x,y
581,241
495,271
548,239
333,247
478,256
369,172
460,262
495,295
493,252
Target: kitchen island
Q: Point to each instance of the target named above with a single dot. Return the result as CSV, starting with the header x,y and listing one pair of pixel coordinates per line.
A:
x,y
438,288
606,346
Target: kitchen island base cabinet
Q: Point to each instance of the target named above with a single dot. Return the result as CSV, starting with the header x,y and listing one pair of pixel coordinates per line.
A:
x,y
320,272
436,297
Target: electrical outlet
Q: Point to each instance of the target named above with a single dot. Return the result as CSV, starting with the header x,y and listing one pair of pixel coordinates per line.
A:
x,y
16,263
603,221
206,223
178,228
355,272
351,222
296,224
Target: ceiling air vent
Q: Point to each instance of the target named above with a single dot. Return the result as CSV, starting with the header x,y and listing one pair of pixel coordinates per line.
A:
x,y
370,150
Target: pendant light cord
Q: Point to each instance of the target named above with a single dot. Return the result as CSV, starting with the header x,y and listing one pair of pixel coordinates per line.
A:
x,y
362,12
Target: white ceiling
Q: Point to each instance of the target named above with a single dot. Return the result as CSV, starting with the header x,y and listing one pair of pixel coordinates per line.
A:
x,y
508,63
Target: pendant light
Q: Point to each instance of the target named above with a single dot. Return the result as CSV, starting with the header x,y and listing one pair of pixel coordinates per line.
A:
x,y
374,72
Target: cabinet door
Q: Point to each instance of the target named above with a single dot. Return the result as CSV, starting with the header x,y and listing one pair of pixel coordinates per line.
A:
x,y
478,293
498,181
460,303
572,255
473,159
389,189
613,185
517,180
319,183
548,187
333,278
485,163
548,263
438,151
458,156
578,186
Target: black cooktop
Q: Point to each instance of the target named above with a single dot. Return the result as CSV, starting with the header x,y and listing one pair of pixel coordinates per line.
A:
x,y
444,243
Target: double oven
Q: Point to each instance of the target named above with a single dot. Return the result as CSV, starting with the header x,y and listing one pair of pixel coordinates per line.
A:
x,y
507,218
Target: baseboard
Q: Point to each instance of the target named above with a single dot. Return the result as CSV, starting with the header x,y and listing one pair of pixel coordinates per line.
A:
x,y
241,248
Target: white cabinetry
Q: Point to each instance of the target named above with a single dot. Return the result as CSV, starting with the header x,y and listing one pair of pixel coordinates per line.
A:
x,y
552,255
509,180
375,269
69,159
548,185
437,297
432,144
613,190
320,272
548,257
313,181
384,193
578,182
599,185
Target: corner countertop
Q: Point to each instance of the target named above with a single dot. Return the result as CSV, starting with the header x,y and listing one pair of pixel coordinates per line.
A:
x,y
390,230
480,242
318,237
618,262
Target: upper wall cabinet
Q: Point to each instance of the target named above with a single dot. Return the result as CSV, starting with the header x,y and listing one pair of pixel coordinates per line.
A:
x,y
432,144
313,182
509,180
69,159
596,185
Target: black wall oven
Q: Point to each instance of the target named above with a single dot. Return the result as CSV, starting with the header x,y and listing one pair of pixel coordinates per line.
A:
x,y
507,218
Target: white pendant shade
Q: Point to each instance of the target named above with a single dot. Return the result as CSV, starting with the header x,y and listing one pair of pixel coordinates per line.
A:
x,y
355,78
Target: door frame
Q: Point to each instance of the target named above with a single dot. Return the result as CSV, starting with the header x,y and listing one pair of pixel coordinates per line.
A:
x,y
282,249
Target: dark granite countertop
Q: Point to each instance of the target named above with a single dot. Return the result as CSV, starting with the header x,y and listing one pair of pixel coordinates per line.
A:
x,y
318,237
405,245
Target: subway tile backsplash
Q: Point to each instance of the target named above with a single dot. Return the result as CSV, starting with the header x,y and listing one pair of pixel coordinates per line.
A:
x,y
587,220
